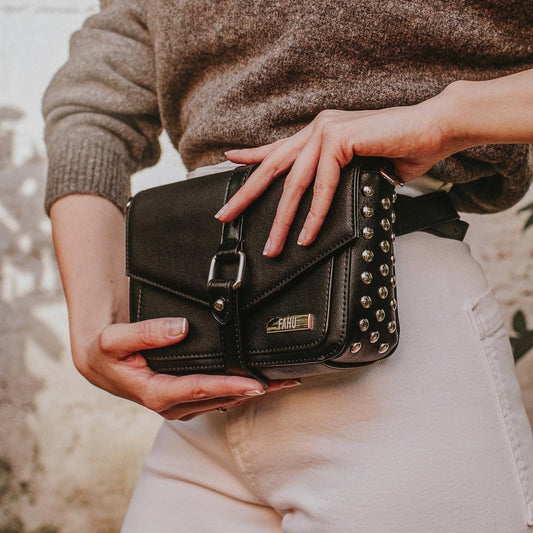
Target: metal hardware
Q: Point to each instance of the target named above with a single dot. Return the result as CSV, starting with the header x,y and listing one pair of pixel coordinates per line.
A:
x,y
393,180
219,304
380,315
385,224
385,246
356,346
383,292
367,211
366,301
368,255
383,347
386,203
374,336
366,278
368,233
368,191
391,326
242,261
290,323
384,269
364,324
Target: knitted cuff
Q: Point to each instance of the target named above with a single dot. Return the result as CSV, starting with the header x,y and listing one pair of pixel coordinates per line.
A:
x,y
88,166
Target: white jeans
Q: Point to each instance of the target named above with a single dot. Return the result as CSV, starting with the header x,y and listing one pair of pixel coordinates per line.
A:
x,y
433,439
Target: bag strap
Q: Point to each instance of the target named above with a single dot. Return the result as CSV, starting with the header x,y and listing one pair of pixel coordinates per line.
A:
x,y
433,213
224,292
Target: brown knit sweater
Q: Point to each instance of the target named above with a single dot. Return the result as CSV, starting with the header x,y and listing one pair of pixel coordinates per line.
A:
x,y
222,74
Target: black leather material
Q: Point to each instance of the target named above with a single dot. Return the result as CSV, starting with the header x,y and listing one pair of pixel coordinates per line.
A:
x,y
225,293
172,236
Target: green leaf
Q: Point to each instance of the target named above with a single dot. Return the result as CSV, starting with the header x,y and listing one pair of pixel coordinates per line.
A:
x,y
529,222
526,208
519,322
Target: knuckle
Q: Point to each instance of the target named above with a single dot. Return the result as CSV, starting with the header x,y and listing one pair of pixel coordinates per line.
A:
x,y
147,333
294,186
105,341
329,130
313,214
197,392
324,117
323,187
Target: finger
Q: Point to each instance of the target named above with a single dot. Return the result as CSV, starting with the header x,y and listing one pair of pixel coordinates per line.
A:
x,y
161,391
275,164
253,155
327,179
189,411
124,339
298,180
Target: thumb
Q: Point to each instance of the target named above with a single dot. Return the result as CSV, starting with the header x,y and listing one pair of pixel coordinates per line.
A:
x,y
124,339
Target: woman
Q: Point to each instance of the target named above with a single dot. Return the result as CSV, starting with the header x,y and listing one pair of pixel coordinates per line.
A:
x,y
434,438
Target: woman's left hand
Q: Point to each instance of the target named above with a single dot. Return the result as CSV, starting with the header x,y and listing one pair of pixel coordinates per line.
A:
x,y
413,137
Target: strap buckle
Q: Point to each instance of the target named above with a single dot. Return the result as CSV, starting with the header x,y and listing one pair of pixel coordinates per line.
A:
x,y
240,270
391,178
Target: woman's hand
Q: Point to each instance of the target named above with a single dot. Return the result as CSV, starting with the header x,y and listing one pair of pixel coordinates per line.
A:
x,y
111,361
89,232
411,136
414,137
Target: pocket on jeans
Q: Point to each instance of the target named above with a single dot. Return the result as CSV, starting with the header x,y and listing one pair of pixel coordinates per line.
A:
x,y
487,322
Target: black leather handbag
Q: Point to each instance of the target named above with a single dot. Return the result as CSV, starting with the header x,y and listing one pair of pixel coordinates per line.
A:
x,y
325,307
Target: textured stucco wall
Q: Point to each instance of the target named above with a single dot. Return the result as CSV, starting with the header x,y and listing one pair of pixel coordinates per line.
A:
x,y
70,453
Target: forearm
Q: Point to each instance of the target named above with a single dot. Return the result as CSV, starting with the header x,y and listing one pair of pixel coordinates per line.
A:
x,y
88,234
497,111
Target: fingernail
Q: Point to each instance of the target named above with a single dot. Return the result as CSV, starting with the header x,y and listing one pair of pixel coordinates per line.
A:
x,y
229,152
254,392
291,383
176,326
301,237
221,211
267,247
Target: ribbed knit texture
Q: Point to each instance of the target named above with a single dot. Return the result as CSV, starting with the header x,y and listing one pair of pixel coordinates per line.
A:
x,y
231,73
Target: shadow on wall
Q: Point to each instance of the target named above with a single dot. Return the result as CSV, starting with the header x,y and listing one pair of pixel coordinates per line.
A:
x,y
27,277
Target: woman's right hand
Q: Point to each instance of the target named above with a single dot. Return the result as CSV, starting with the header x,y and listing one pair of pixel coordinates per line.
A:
x,y
89,242
112,361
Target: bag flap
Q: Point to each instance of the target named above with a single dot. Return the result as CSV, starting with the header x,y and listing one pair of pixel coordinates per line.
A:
x,y
172,235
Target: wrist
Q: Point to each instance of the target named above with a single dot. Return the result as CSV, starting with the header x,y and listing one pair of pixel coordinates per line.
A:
x,y
457,117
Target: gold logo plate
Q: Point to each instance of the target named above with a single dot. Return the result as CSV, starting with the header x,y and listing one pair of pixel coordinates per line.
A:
x,y
285,324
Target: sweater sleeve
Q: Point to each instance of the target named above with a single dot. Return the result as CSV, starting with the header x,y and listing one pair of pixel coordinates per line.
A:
x,y
100,109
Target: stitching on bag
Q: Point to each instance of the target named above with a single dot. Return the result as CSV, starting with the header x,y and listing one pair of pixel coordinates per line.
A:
x,y
314,260
267,363
335,346
324,322
139,303
305,345
265,293
167,288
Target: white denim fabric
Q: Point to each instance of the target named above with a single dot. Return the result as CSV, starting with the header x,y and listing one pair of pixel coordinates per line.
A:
x,y
433,439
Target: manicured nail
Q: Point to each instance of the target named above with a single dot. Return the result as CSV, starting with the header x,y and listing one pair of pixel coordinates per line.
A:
x,y
230,152
176,326
221,211
254,392
267,247
301,237
291,383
